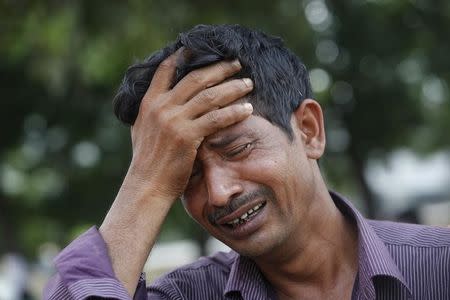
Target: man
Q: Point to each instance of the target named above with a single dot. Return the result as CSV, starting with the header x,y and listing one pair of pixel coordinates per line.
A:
x,y
224,118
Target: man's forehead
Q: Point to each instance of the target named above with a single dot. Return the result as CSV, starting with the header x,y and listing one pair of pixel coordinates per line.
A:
x,y
247,127
226,133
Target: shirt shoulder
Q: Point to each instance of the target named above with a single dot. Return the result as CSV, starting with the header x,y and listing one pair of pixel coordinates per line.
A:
x,y
412,235
205,278
422,255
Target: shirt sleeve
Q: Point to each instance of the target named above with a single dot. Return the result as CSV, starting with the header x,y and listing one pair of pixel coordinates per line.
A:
x,y
84,270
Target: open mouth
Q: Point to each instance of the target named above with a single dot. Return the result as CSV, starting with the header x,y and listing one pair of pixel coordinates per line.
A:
x,y
245,217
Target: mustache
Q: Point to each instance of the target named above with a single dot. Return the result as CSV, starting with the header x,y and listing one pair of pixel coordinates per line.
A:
x,y
263,192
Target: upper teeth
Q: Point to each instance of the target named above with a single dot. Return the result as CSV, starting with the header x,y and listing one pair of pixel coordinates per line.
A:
x,y
246,215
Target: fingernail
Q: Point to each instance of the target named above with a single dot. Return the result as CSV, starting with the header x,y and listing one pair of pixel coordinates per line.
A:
x,y
237,63
248,82
248,106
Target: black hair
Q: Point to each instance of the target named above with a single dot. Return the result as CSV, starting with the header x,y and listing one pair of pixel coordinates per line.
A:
x,y
280,79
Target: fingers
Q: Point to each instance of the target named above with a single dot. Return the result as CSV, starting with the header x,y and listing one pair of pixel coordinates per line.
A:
x,y
165,73
200,79
218,119
200,101
218,96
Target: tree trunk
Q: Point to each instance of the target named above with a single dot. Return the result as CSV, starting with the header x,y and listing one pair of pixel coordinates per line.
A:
x,y
358,165
9,243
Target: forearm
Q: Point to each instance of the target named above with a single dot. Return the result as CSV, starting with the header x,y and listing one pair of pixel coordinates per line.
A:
x,y
131,227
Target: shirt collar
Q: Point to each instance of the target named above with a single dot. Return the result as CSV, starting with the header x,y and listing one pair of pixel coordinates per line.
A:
x,y
247,279
374,258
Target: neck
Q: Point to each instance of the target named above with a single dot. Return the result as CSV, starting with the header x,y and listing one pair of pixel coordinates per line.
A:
x,y
323,261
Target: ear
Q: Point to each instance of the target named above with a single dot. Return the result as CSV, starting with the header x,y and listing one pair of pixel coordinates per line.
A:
x,y
309,121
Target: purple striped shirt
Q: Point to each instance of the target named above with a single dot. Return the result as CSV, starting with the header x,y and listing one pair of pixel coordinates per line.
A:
x,y
396,261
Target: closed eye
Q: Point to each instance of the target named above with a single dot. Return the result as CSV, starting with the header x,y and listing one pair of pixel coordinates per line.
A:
x,y
239,150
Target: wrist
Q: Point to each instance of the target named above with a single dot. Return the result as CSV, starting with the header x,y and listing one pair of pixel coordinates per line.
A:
x,y
153,183
136,209
150,178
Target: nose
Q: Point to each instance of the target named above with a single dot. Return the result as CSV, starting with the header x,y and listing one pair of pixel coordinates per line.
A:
x,y
222,184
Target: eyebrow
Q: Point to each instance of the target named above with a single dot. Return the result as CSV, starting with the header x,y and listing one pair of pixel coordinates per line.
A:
x,y
224,140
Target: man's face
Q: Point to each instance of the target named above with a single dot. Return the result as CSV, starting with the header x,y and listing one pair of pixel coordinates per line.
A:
x,y
251,187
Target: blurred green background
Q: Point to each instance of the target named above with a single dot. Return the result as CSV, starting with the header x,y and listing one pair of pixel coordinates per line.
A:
x,y
380,69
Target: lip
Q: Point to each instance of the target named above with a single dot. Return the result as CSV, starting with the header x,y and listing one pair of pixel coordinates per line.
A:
x,y
239,212
246,229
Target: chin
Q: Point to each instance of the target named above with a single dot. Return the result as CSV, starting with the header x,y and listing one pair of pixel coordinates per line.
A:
x,y
255,249
252,253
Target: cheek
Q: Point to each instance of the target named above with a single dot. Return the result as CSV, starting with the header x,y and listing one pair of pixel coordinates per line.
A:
x,y
270,171
193,205
283,173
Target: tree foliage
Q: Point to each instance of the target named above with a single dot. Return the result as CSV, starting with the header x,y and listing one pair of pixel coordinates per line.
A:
x,y
379,67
